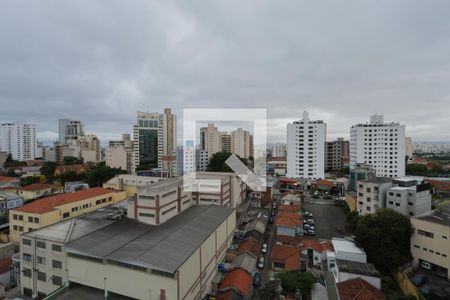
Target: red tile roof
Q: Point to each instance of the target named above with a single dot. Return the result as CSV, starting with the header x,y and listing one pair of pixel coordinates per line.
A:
x,y
325,182
293,208
316,245
358,289
5,263
36,187
78,169
288,255
8,179
49,203
237,279
440,185
289,219
251,246
294,241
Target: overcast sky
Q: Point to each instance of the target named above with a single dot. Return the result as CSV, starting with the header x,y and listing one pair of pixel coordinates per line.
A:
x,y
101,61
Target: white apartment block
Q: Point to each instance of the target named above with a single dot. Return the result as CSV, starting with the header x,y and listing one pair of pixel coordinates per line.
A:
x,y
371,194
278,150
379,144
119,153
241,143
19,140
70,130
409,196
306,148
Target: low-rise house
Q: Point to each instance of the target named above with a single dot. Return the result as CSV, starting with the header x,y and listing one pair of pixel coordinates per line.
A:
x,y
249,246
371,194
358,288
286,258
245,261
34,191
316,249
347,250
6,182
237,284
289,198
345,270
53,209
289,223
8,201
409,196
430,241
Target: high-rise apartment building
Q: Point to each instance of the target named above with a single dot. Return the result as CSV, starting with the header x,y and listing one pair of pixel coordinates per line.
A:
x,y
210,139
278,150
306,148
337,154
225,142
119,153
19,140
154,138
70,130
241,143
379,144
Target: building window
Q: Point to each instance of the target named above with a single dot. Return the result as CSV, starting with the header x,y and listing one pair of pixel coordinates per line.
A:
x,y
169,210
36,220
41,276
425,233
98,202
444,237
40,244
66,214
40,260
56,280
416,246
56,264
146,215
30,219
14,216
27,257
26,272
57,248
26,242
20,218
21,228
168,194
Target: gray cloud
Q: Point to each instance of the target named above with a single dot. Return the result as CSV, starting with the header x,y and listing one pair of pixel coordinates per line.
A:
x,y
101,61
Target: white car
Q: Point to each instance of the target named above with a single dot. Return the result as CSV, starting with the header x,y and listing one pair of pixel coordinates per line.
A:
x,y
309,221
261,263
264,248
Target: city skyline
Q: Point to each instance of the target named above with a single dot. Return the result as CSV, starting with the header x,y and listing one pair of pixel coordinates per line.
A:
x,y
394,64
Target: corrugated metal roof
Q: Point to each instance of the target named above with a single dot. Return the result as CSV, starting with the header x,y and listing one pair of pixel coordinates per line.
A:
x,y
164,247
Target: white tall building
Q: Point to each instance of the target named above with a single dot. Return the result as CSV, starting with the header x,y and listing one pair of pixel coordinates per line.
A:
x,y
379,144
306,148
154,142
19,140
70,130
241,143
278,150
409,147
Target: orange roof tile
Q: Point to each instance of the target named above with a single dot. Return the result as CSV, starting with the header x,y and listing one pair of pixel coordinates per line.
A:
x,y
237,279
289,219
251,246
358,288
293,208
288,255
325,182
295,241
8,179
35,187
78,169
317,245
49,203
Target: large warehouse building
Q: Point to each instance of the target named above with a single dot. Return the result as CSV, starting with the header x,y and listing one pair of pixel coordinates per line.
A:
x,y
175,260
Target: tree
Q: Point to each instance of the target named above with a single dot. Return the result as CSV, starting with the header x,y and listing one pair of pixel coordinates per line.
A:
x,y
389,230
11,163
48,170
293,280
29,180
12,173
101,173
70,176
72,160
352,218
217,162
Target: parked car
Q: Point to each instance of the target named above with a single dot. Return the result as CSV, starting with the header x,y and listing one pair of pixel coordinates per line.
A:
x,y
309,221
264,248
272,213
419,279
426,265
257,279
261,262
271,219
309,232
274,205
328,197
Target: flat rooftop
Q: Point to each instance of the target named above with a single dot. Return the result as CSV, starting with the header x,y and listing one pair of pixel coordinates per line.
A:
x,y
409,178
134,180
439,216
75,228
162,247
378,180
346,246
357,268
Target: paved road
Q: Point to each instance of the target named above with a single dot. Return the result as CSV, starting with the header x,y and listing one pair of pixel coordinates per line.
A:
x,y
328,218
